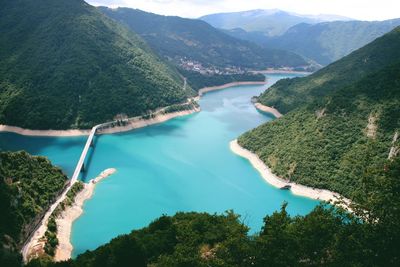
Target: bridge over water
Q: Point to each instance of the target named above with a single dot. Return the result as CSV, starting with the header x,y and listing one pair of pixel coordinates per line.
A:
x,y
39,231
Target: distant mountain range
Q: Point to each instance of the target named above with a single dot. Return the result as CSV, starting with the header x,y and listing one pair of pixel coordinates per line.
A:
x,y
270,22
322,42
178,38
63,64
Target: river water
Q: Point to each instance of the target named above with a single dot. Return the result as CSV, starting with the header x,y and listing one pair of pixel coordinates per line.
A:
x,y
184,164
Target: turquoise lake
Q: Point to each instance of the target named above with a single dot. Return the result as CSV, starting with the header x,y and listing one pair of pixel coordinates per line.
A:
x,y
184,164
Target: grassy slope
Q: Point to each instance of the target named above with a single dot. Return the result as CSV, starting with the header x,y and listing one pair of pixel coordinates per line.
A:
x,y
63,64
333,150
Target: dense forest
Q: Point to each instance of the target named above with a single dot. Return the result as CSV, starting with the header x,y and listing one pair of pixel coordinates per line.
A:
x,y
28,185
324,237
177,38
63,64
342,131
289,94
197,80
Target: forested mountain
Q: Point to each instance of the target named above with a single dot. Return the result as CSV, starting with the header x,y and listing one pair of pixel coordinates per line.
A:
x,y
289,94
189,39
270,22
341,121
63,65
28,185
322,42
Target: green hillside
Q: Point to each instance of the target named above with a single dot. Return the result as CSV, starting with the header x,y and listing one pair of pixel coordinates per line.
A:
x,y
177,38
65,65
28,185
329,41
323,42
289,94
342,120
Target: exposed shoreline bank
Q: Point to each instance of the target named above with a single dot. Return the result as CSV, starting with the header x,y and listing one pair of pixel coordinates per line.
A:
x,y
133,123
281,72
73,212
204,90
268,109
274,180
28,132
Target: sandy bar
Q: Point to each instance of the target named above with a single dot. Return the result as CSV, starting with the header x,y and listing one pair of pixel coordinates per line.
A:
x,y
297,189
267,109
140,123
70,214
227,85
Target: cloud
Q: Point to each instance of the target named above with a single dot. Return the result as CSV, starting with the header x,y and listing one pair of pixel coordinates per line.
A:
x,y
358,9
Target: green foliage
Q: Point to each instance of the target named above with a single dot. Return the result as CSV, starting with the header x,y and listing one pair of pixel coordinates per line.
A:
x,y
288,94
325,144
325,237
51,232
51,237
28,185
65,65
197,80
178,38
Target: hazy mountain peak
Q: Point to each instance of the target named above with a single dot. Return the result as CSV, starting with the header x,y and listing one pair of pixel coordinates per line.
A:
x,y
270,21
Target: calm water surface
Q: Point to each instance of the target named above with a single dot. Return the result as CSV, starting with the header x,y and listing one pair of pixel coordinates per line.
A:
x,y
184,164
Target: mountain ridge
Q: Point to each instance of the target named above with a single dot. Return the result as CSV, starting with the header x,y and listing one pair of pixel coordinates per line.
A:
x,y
179,39
65,65
272,22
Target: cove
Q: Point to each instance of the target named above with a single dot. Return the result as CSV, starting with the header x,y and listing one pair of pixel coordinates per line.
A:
x,y
184,164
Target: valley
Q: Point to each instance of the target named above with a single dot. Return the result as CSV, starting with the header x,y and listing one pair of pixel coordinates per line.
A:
x,y
196,134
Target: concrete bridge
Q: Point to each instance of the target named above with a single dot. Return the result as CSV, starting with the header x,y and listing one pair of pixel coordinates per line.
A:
x,y
81,163
37,234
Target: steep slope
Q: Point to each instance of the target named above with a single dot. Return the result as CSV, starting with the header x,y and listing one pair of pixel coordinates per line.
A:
x,y
329,41
188,39
271,22
287,95
27,185
322,42
347,123
63,64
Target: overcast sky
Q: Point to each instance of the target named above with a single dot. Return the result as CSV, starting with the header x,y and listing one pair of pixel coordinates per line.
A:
x,y
357,9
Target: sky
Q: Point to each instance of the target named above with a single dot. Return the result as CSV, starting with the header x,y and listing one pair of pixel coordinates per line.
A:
x,y
357,9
